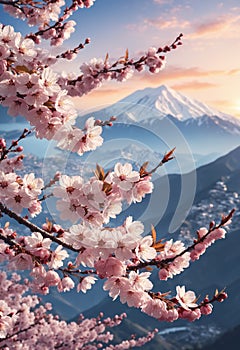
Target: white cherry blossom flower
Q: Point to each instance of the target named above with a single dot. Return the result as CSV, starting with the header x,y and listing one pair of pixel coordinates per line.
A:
x,y
185,299
144,251
57,257
124,176
140,281
86,283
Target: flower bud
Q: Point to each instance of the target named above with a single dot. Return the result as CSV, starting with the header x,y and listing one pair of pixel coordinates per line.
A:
x,y
221,296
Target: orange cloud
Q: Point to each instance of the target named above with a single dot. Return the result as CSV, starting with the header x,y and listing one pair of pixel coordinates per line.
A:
x,y
234,71
222,103
228,24
100,98
193,85
162,23
175,72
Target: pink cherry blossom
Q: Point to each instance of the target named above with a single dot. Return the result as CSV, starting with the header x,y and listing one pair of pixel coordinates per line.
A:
x,y
185,299
144,250
21,262
86,284
110,267
124,176
133,298
154,307
116,285
66,284
190,315
57,257
140,281
206,309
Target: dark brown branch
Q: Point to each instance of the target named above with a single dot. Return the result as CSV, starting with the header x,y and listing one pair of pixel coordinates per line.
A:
x,y
33,227
130,62
162,263
23,135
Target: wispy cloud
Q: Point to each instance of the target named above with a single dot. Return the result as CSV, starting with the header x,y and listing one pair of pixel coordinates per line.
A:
x,y
175,72
234,71
166,23
193,85
227,25
100,98
222,103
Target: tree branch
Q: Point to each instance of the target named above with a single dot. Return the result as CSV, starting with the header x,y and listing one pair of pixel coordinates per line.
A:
x,y
33,227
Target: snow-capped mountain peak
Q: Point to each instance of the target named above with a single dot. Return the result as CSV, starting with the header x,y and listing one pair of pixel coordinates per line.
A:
x,y
170,102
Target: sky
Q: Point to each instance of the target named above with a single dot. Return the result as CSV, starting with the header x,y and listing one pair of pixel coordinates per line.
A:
x,y
206,67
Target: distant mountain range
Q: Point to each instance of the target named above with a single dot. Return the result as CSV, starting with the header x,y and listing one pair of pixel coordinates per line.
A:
x,y
229,340
167,101
153,120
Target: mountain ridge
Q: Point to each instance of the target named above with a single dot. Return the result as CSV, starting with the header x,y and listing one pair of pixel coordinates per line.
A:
x,y
170,102
174,119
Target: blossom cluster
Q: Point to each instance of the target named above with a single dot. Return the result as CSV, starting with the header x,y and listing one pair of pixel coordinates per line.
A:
x,y
42,14
94,73
178,257
117,255
100,198
205,239
21,192
30,88
25,323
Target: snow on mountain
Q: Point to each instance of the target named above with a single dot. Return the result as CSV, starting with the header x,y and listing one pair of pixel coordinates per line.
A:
x,y
150,104
170,102
163,118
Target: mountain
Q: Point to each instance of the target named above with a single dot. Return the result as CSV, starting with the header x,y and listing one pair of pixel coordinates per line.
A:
x,y
229,340
161,116
170,102
163,101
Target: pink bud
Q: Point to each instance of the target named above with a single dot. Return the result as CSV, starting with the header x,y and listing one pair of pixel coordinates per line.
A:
x,y
19,149
206,309
221,297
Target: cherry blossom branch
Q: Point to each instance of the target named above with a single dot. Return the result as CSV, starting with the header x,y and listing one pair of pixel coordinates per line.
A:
x,y
43,13
167,157
162,263
9,336
153,59
8,2
71,54
218,296
212,228
4,150
33,227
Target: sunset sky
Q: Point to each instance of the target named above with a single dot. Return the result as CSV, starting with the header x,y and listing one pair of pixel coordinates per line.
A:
x,y
206,67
